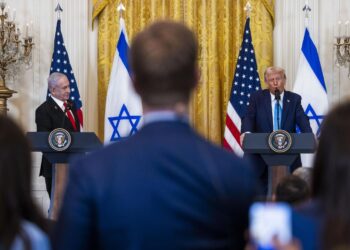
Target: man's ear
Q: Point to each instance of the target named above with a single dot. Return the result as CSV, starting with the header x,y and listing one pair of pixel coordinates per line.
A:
x,y
51,90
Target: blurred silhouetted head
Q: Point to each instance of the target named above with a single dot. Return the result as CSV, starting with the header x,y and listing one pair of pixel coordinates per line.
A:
x,y
164,64
304,173
331,175
293,190
16,202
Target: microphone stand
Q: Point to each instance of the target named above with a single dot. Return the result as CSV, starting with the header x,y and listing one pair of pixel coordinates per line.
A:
x,y
278,98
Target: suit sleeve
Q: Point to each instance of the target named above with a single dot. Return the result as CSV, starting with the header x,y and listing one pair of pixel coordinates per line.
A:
x,y
43,120
74,227
301,118
248,120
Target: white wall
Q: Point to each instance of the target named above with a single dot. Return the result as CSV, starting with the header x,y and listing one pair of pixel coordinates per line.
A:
x,y
31,86
288,35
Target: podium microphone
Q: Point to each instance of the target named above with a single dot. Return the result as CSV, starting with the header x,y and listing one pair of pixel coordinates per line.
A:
x,y
278,98
277,94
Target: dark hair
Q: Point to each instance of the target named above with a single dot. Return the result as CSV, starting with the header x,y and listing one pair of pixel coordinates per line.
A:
x,y
331,176
16,203
164,63
292,189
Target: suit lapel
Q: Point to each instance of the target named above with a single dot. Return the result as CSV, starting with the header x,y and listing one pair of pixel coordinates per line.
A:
x,y
268,108
55,109
285,109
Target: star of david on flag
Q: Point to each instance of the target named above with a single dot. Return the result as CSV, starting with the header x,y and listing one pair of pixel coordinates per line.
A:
x,y
60,63
123,113
246,80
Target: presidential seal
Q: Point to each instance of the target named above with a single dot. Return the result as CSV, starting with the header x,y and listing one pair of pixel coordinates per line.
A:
x,y
59,139
280,141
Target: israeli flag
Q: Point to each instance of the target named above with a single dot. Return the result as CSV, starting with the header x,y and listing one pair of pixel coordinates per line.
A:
x,y
123,106
311,86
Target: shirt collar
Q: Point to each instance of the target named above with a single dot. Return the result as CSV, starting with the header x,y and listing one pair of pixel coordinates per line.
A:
x,y
58,102
166,115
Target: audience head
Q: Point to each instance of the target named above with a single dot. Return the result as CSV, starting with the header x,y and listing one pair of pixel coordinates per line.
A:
x,y
304,173
16,203
58,86
164,64
275,78
331,175
293,190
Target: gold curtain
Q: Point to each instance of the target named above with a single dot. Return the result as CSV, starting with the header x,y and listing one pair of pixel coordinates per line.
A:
x,y
219,27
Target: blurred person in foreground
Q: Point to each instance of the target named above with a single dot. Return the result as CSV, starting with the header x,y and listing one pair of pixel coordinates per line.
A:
x,y
21,224
325,222
165,187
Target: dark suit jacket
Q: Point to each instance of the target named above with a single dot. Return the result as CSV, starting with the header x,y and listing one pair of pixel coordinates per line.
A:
x,y
258,118
49,116
163,188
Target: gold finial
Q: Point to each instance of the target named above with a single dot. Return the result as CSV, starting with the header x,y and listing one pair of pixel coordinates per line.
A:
x,y
120,9
248,9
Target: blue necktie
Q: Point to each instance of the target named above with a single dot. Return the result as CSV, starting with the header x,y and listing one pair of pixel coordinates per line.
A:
x,y
277,116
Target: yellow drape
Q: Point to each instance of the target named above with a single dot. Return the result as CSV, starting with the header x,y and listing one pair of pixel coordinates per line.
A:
x,y
219,27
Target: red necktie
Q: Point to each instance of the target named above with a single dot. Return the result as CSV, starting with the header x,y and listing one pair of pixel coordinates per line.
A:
x,y
70,116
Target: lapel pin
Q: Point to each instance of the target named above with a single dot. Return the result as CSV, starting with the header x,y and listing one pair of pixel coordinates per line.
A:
x,y
288,100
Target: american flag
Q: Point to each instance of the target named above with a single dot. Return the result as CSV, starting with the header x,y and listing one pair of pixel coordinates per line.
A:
x,y
246,80
60,63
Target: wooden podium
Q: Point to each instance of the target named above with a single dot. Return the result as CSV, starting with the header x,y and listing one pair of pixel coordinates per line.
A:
x,y
257,143
82,143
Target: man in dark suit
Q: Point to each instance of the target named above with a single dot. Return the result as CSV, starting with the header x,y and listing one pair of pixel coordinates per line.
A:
x,y
56,112
265,114
164,187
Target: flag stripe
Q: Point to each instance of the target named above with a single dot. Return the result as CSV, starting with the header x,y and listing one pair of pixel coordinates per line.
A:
x,y
233,144
123,49
234,128
311,55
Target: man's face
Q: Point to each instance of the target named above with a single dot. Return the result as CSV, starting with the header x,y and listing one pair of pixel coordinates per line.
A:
x,y
275,80
61,91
